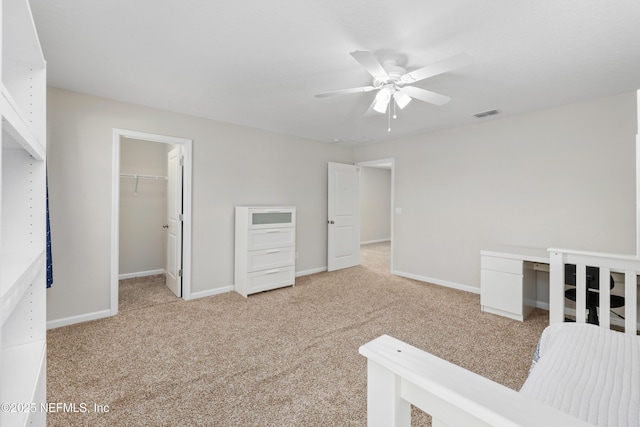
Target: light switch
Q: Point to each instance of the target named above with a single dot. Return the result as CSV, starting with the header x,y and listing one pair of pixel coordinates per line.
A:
x,y
398,211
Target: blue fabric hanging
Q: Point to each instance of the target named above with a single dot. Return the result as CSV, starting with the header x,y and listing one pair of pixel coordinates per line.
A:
x,y
49,260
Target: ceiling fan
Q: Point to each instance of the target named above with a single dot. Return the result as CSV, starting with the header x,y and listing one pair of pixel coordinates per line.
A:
x,y
394,82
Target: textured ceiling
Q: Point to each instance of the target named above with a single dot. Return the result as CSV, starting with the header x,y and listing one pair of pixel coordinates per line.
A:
x,y
259,63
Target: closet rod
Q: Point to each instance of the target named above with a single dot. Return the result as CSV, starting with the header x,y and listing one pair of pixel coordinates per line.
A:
x,y
137,176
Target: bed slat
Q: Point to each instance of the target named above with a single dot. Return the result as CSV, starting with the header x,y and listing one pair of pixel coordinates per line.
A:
x,y
607,263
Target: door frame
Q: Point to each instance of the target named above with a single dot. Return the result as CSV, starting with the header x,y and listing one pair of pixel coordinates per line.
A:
x,y
187,145
391,163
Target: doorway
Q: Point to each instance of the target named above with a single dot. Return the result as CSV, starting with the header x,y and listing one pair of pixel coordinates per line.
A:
x,y
345,216
377,206
140,186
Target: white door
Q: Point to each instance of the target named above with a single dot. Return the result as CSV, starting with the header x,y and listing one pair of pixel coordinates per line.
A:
x,y
343,222
174,221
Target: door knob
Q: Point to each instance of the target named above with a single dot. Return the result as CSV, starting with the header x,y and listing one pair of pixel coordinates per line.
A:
x,y
330,222
165,226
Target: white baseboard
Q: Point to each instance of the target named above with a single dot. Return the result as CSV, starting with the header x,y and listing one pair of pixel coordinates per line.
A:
x,y
542,305
66,321
312,271
368,242
140,274
211,292
438,282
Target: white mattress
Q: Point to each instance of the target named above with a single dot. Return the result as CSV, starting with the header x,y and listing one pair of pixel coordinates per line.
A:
x,y
589,372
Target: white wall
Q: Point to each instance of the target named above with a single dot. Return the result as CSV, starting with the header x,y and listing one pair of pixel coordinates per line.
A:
x,y
562,177
142,212
232,165
375,204
559,177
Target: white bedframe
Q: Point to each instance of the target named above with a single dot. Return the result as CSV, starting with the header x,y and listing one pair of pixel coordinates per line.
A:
x,y
400,375
608,263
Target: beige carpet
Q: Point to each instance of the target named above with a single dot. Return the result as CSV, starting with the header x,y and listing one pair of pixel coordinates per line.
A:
x,y
287,357
143,292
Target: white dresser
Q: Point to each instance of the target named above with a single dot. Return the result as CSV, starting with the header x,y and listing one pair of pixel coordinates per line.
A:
x,y
265,252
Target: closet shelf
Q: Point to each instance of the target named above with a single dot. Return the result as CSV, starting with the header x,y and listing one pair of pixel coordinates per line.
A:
x,y
23,292
15,124
138,176
19,270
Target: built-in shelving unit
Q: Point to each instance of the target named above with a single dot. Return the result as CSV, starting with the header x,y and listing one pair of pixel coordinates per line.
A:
x,y
22,218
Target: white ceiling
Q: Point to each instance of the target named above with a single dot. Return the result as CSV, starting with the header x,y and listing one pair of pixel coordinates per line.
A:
x,y
259,63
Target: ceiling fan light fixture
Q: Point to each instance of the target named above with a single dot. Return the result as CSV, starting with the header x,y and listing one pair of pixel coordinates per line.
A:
x,y
382,100
402,99
381,107
394,82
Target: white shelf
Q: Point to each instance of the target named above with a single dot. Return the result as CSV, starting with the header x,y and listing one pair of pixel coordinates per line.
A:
x,y
23,77
23,366
19,270
15,124
22,216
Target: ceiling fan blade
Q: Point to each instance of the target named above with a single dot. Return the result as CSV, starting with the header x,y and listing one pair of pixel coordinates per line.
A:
x,y
426,95
370,63
346,91
440,67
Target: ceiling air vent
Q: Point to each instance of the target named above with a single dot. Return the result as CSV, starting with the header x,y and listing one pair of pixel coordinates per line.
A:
x,y
486,113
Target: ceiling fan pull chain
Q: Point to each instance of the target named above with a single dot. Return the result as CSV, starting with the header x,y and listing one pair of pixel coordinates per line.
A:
x,y
389,116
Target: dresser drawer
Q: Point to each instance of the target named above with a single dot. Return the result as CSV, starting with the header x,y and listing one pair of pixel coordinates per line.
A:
x,y
270,258
269,238
272,217
505,265
270,279
502,291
